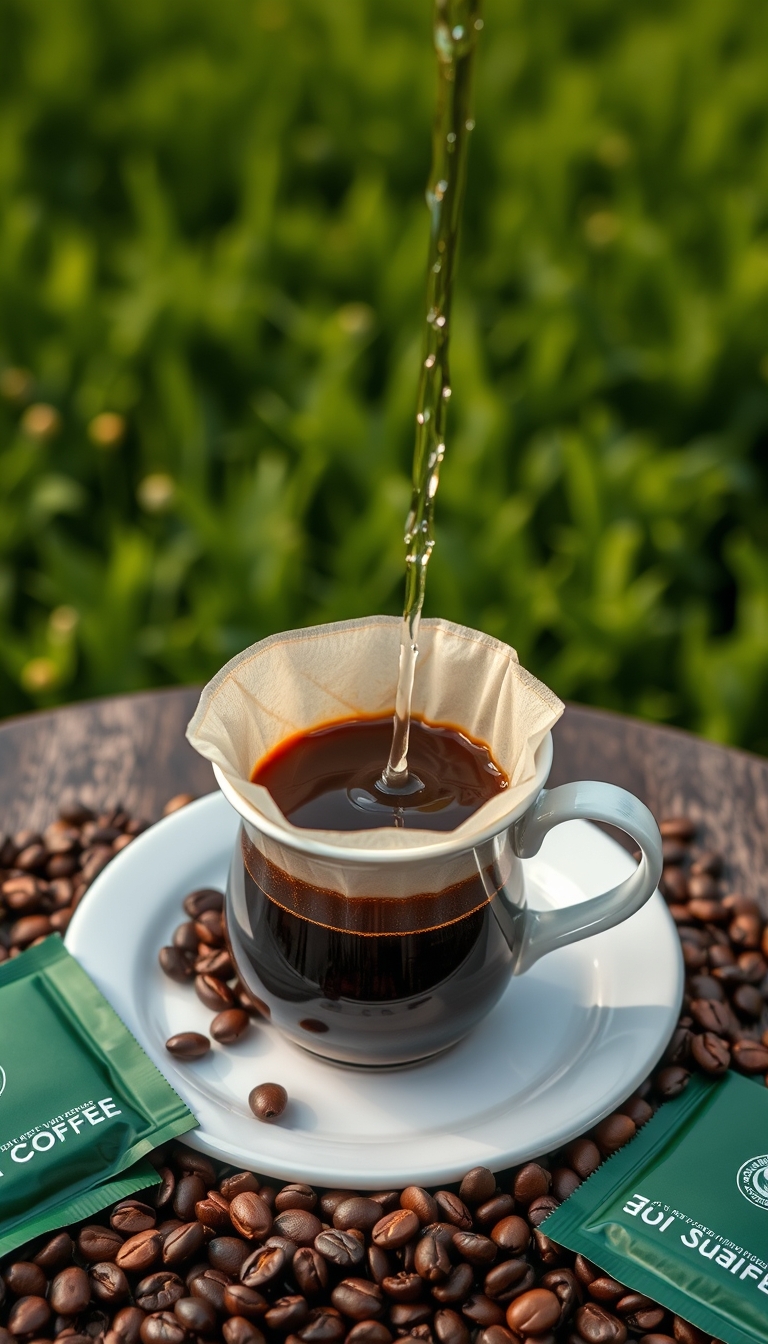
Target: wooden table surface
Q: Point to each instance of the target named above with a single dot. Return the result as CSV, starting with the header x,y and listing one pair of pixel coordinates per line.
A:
x,y
131,749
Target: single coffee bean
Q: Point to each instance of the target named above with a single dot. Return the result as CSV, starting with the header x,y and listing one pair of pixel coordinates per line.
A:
x,y
189,1191
162,1194
214,993
182,1243
508,1280
159,1292
126,1326
29,1315
647,1320
449,1327
242,1301
712,1015
453,1210
195,1315
237,1330
606,1289
403,1287
482,1311
176,964
162,1327
209,927
671,1081
217,961
613,1132
631,1302
685,1333
567,1289
196,1164
564,1182
213,1212
494,1209
298,1225
140,1252
531,1181
584,1270
748,1001
269,1194
745,931
287,1314
750,1056
379,1263
358,1299
541,1208
431,1260
262,1266
70,1291
108,1283
511,1234
310,1271
210,1286
598,1326
24,1278
250,1216
395,1229
357,1212
325,1326
478,1185
331,1199
711,1053
188,1045
131,1216
228,1254
268,1101
638,1110
340,1248
583,1156
405,1316
295,1196
238,1184
421,1203
495,1334
96,1243
206,898
534,1312
478,1250
457,1286
369,1332
185,937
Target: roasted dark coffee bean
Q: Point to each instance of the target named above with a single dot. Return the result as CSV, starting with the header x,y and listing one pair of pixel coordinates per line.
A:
x,y
584,1270
162,1194
247,1302
606,1289
540,1209
420,1202
287,1314
670,1082
196,1164
453,1210
209,928
564,1182
494,1209
195,1315
534,1312
189,1191
213,1212
356,1212
748,1001
210,1286
268,1193
176,964
240,1183
140,1252
188,1045
647,1320
379,1263
495,1334
325,1326
403,1287
295,1196
185,937
638,1111
70,1291
531,1181
482,1311
262,1266
182,1243
108,1283
126,1325
711,1015
584,1156
250,1216
369,1332
55,1253
206,898
478,1250
96,1243
444,1232
217,961
685,1333
705,987
298,1225
711,1053
405,1315
25,1279
331,1200
237,1330
340,1248
358,1299
309,1271
511,1234
268,1101
29,1316
745,931
567,1289
508,1280
214,993
431,1260
478,1185
750,1056
162,1327
613,1132
631,1302
158,1292
449,1327
228,1254
131,1216
395,1229
598,1326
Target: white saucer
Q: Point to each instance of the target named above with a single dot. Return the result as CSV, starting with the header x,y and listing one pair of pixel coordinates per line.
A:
x,y
566,1043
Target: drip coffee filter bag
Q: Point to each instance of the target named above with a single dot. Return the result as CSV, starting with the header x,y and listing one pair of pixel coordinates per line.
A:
x,y
298,680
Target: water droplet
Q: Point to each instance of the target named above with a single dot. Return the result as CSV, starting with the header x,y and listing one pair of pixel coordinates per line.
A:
x,y
451,137
479,24
440,321
420,418
457,33
429,362
446,392
470,125
434,481
437,268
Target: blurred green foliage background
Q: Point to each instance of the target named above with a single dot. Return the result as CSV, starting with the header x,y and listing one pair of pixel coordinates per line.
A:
x,y
212,244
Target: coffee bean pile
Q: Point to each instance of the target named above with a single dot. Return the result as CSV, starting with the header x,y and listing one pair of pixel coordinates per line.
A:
x,y
215,1254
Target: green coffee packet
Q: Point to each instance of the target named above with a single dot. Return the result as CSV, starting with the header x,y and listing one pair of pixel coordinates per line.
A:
x,y
80,1102
681,1213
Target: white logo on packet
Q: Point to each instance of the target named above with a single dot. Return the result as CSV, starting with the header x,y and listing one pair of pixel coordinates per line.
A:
x,y
752,1180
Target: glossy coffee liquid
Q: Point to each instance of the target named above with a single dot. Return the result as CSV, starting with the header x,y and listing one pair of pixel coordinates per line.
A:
x,y
360,973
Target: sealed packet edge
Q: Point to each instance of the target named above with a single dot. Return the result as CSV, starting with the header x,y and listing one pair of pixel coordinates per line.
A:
x,y
138,1177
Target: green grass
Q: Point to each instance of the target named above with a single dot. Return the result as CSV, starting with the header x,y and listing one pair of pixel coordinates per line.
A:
x,y
212,225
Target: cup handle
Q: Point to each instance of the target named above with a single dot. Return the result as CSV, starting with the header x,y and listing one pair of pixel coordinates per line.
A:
x,y
589,800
